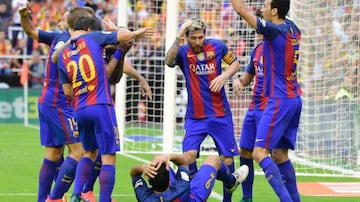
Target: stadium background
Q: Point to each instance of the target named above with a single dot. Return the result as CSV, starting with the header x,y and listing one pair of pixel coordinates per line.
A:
x,y
329,136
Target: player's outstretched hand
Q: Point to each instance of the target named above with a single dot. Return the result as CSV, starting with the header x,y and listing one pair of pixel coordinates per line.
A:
x,y
238,87
25,10
145,88
146,33
108,25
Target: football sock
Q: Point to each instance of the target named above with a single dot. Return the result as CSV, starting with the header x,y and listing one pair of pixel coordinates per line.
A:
x,y
225,175
65,178
46,176
83,171
289,178
107,181
89,184
227,196
247,185
272,174
193,169
58,167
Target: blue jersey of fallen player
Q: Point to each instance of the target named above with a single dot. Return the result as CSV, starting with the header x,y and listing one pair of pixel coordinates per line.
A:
x,y
81,64
52,93
179,190
256,68
281,54
199,70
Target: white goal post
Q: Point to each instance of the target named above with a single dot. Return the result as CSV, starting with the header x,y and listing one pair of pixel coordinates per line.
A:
x,y
329,136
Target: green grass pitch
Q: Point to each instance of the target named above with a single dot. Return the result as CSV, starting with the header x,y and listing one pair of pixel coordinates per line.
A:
x,y
21,156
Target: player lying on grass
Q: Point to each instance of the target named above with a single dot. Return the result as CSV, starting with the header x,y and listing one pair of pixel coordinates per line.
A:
x,y
170,186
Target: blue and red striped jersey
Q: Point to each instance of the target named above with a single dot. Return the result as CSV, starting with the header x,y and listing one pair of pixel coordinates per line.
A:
x,y
82,64
199,70
256,67
52,93
281,54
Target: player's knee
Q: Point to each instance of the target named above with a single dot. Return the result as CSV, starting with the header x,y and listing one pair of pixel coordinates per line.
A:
x,y
54,153
213,161
245,153
279,155
190,156
259,154
76,150
228,160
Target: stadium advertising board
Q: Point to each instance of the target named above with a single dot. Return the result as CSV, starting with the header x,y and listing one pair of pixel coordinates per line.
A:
x,y
12,105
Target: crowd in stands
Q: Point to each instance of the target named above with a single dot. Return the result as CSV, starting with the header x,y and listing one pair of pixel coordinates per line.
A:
x,y
223,23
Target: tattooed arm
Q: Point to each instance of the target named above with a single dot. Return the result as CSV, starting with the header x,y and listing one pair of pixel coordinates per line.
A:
x,y
172,52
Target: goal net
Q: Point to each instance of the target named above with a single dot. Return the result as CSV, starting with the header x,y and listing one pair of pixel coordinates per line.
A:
x,y
329,136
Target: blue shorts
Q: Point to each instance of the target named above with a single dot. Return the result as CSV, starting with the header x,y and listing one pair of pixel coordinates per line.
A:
x,y
202,183
221,129
98,128
248,131
57,126
279,124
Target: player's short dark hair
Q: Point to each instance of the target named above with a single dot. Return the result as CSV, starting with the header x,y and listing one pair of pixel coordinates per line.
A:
x,y
77,12
283,7
162,180
258,13
86,23
195,26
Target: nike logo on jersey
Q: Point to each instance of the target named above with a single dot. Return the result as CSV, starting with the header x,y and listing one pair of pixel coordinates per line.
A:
x,y
259,140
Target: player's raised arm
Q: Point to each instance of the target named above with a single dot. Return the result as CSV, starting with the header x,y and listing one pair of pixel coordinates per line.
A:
x,y
244,12
124,34
116,65
26,22
144,85
172,52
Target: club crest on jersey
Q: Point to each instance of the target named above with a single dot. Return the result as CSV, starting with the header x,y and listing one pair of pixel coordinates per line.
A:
x,y
210,55
200,56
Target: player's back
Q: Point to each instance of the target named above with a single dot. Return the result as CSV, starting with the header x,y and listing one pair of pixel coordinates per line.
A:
x,y
281,53
52,93
256,68
83,62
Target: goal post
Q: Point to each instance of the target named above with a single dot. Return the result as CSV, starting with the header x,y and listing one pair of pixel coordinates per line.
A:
x,y
328,138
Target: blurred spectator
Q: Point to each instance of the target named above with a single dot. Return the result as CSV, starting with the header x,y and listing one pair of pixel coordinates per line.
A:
x,y
5,16
5,47
15,5
16,63
36,70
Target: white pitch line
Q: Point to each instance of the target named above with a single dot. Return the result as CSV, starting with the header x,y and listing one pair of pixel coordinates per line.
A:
x,y
213,194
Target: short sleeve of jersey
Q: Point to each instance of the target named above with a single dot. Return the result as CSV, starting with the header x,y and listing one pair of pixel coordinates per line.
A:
x,y
140,188
63,76
104,38
178,59
47,37
250,68
266,28
228,56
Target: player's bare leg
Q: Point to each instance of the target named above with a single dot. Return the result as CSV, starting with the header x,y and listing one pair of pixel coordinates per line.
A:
x,y
191,156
